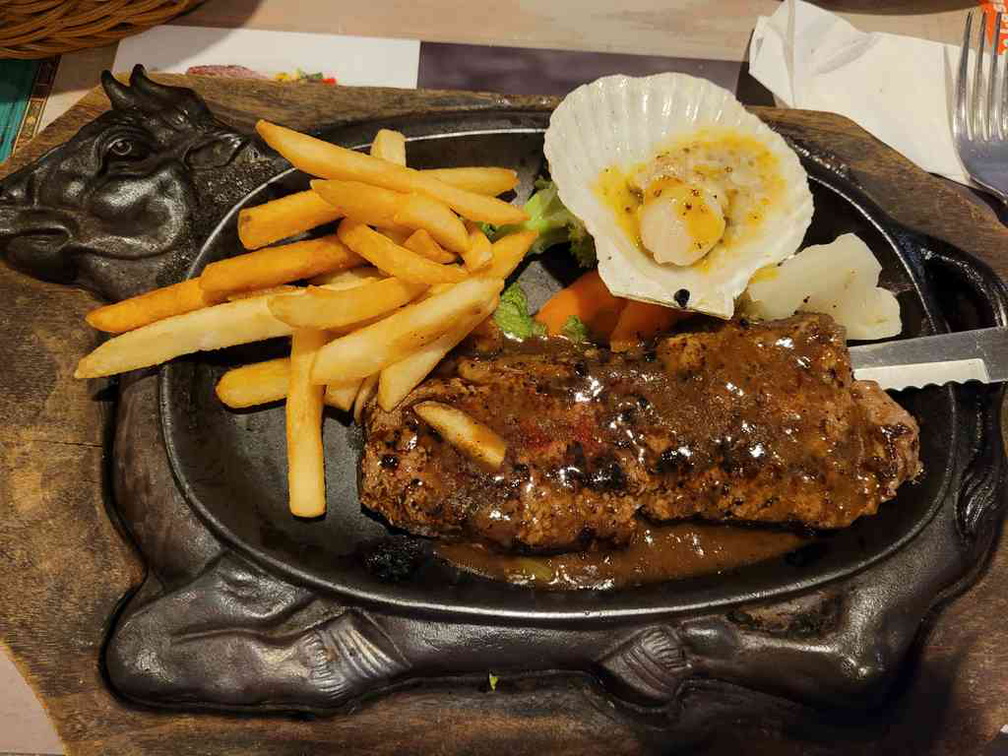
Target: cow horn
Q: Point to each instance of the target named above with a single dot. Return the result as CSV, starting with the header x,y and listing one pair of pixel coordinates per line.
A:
x,y
118,93
140,81
176,104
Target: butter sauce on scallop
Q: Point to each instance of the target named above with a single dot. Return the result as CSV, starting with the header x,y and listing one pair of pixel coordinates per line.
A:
x,y
686,193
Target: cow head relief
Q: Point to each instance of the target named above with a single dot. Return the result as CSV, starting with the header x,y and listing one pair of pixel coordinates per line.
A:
x,y
114,208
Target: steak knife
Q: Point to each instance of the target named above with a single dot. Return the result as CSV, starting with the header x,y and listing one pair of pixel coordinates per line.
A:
x,y
980,355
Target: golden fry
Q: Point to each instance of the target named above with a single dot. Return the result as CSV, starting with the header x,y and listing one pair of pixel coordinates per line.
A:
x,y
471,437
368,350
331,161
362,202
423,244
401,377
508,253
265,382
397,261
215,327
421,211
305,458
389,145
259,383
398,235
277,265
341,395
271,291
150,307
276,220
387,209
347,279
479,253
367,390
325,308
489,181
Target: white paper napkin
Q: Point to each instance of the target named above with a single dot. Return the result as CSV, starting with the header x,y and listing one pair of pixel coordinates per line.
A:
x,y
898,88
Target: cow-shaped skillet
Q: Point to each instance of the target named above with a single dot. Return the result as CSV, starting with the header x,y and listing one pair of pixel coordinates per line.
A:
x,y
124,206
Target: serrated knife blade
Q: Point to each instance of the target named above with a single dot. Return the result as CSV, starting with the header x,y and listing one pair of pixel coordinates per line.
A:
x,y
980,355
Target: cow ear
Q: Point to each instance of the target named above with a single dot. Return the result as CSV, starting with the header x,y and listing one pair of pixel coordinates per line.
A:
x,y
216,151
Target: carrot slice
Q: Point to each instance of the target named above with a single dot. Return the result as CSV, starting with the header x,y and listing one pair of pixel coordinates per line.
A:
x,y
640,321
587,299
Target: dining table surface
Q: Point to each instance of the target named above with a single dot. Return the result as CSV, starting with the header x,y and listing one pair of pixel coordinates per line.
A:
x,y
707,38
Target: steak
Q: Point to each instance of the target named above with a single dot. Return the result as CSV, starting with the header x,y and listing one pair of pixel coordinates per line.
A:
x,y
733,421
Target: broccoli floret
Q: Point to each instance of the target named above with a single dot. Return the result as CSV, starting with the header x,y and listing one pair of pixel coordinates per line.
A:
x,y
555,224
575,329
513,316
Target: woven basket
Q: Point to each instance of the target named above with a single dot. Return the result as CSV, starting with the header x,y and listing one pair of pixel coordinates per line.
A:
x,y
40,28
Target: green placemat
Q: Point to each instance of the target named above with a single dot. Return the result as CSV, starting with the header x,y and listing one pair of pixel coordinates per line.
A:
x,y
17,78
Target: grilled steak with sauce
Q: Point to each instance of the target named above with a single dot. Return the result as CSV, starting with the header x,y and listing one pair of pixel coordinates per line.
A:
x,y
734,422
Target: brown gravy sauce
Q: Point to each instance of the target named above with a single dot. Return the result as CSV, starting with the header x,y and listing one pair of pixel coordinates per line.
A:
x,y
656,553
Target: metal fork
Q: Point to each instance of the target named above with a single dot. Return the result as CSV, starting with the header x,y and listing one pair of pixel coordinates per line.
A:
x,y
980,113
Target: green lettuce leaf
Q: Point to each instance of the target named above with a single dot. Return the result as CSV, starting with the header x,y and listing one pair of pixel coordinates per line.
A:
x,y
513,316
555,225
575,329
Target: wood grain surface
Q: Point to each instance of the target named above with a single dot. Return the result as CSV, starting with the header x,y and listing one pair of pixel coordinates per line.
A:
x,y
66,566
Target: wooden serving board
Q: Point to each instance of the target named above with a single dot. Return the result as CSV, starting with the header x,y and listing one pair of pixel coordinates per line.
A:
x,y
66,565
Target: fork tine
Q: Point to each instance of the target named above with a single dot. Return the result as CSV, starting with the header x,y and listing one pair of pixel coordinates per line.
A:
x,y
960,118
993,104
978,113
1003,104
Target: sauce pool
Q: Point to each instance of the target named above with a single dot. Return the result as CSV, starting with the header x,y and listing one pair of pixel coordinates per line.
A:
x,y
656,553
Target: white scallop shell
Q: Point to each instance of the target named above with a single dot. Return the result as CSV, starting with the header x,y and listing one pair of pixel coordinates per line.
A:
x,y
620,120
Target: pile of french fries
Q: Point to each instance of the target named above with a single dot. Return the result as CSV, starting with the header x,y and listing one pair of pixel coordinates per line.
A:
x,y
405,278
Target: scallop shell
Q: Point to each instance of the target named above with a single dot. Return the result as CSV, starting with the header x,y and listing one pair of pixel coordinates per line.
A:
x,y
621,120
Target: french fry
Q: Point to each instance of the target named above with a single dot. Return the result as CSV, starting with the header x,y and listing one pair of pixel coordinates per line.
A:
x,y
489,181
150,307
325,308
362,202
271,291
347,279
258,383
398,235
331,161
374,347
376,206
508,253
215,327
471,437
305,458
265,382
421,211
434,290
277,265
479,253
423,244
367,390
341,395
397,261
389,145
398,379
280,218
